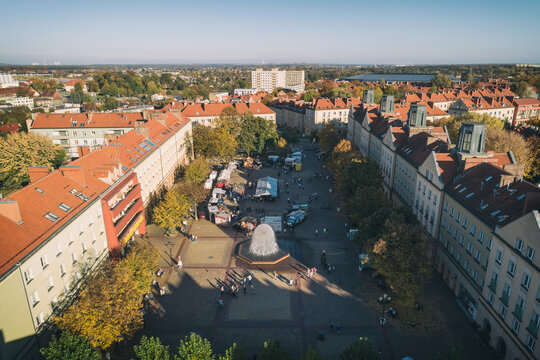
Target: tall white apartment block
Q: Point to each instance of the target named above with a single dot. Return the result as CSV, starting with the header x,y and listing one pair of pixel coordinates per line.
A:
x,y
268,80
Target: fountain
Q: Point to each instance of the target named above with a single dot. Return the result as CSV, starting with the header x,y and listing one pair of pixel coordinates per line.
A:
x,y
263,248
263,241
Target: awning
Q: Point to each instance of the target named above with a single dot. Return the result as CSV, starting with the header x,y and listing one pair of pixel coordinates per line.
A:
x,y
267,186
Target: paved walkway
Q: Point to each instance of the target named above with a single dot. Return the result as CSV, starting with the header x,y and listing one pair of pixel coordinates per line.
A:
x,y
293,315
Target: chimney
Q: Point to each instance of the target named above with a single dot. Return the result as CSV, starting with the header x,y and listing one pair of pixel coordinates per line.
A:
x,y
506,180
10,209
89,117
38,172
75,173
83,150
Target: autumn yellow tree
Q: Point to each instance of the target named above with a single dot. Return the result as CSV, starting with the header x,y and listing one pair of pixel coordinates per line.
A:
x,y
502,141
140,264
107,310
195,193
20,151
170,212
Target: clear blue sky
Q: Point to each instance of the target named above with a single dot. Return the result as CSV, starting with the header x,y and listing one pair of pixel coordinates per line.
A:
x,y
238,31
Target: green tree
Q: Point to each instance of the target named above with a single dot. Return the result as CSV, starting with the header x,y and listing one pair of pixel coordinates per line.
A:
x,y
365,201
170,212
377,95
197,171
267,99
93,86
195,192
400,256
358,173
310,354
328,138
255,134
69,347
110,103
20,151
520,88
361,349
310,95
193,347
441,81
272,351
235,352
151,349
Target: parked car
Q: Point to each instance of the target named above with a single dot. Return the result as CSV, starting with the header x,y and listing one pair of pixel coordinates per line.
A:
x,y
296,217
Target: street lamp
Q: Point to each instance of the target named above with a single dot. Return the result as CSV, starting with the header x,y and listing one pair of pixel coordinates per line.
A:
x,y
169,245
383,300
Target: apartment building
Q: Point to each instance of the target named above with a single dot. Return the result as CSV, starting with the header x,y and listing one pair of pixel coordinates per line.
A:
x,y
474,202
206,114
88,129
269,80
290,113
525,110
53,232
21,101
500,107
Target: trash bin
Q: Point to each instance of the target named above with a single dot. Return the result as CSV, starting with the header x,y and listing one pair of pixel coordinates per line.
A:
x,y
320,335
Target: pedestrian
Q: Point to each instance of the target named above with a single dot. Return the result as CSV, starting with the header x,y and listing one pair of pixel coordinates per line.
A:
x,y
179,262
162,291
316,232
245,289
249,279
222,290
252,289
275,275
290,282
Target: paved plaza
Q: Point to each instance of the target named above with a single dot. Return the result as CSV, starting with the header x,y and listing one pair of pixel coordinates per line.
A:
x,y
293,315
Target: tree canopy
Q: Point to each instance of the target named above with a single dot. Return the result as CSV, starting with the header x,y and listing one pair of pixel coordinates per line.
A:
x,y
197,171
171,211
255,134
69,347
194,347
20,151
151,349
361,349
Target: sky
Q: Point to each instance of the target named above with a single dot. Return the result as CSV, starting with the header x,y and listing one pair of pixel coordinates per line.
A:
x,y
279,31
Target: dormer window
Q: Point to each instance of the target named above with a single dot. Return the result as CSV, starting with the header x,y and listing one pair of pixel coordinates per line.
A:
x,y
64,207
39,190
51,216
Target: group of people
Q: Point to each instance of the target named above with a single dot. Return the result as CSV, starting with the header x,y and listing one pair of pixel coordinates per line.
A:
x,y
233,288
189,236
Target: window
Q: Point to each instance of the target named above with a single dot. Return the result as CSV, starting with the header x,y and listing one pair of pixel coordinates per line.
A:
x,y
469,248
54,302
70,239
50,283
62,269
488,245
44,261
434,198
491,298
459,257
34,298
28,276
538,294
481,237
502,311
499,256
64,207
511,268
530,253
81,228
464,222
474,274
515,326
458,216
452,212
519,244
39,190
40,319
525,280
485,264
84,247
530,342
94,238
73,258
51,216
449,228
462,240
446,206
473,229
58,249
477,256
90,220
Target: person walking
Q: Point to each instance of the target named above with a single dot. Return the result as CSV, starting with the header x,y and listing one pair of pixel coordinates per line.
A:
x,y
245,289
316,232
252,288
275,275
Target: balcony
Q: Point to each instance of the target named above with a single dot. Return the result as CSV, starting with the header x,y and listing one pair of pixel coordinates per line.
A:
x,y
504,297
493,286
533,328
129,213
518,312
128,197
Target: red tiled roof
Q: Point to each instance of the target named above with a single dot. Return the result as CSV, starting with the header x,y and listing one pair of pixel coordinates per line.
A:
x,y
204,110
18,240
496,200
86,120
527,101
11,128
73,82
